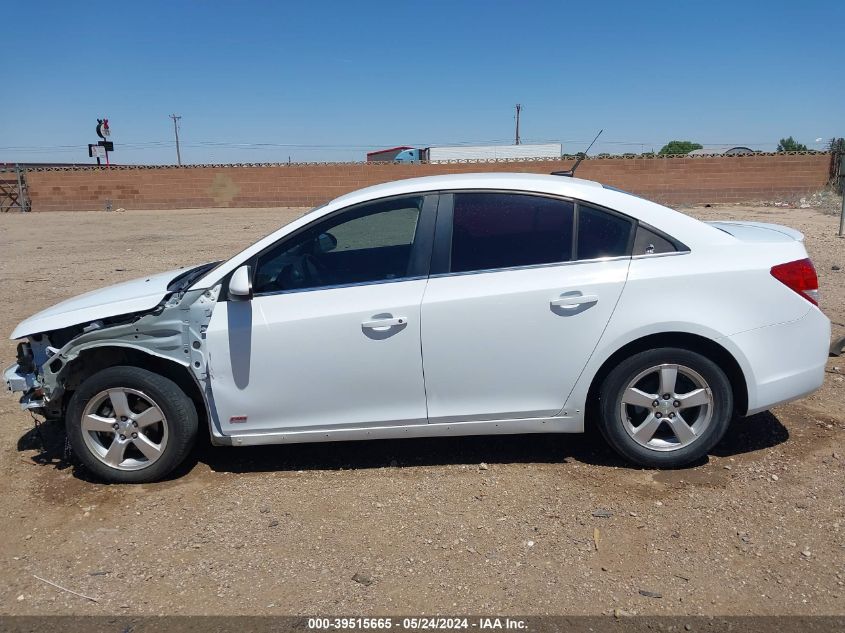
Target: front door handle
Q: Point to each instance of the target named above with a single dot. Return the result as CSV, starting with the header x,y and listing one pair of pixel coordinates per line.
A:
x,y
573,301
384,323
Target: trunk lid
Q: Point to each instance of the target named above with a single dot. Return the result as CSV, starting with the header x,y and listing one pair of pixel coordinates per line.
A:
x,y
759,232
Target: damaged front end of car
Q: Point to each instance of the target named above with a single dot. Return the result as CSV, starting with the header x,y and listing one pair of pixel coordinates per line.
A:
x,y
22,376
50,365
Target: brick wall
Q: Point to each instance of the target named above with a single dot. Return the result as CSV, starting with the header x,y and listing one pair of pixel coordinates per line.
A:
x,y
675,180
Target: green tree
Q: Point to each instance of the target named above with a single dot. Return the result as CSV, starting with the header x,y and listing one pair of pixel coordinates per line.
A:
x,y
679,147
791,145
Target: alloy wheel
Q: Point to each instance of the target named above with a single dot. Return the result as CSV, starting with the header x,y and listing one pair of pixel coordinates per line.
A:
x,y
124,428
666,407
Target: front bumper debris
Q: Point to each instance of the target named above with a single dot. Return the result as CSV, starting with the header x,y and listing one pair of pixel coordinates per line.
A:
x,y
18,380
26,382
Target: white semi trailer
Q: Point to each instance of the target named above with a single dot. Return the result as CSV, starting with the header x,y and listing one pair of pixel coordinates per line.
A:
x,y
479,152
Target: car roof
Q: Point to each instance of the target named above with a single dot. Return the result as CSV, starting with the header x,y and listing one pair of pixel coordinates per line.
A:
x,y
561,185
668,220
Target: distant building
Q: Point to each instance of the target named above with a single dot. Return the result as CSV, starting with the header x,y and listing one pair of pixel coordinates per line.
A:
x,y
386,155
722,150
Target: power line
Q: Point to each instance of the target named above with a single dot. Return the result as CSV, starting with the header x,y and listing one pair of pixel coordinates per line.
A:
x,y
139,146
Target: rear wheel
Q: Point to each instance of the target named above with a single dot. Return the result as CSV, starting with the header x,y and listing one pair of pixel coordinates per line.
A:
x,y
665,407
130,425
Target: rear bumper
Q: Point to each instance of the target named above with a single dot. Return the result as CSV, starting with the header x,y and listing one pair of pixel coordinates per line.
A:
x,y
785,361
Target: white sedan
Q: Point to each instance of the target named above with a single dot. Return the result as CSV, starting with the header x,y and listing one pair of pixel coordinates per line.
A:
x,y
450,305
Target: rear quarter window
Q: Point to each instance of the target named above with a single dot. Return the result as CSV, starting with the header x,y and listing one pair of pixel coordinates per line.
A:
x,y
649,242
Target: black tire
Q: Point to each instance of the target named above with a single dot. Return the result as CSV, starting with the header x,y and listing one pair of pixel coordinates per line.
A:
x,y
613,428
180,418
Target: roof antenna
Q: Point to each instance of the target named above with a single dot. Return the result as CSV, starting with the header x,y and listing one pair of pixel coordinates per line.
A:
x,y
581,156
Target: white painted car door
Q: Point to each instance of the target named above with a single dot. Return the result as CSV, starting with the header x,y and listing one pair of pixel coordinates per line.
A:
x,y
511,323
331,338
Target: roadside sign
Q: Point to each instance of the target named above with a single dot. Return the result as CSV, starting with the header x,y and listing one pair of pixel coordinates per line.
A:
x,y
101,148
103,130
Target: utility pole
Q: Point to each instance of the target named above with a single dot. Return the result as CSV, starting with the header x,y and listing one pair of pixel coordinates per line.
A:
x,y
176,132
518,110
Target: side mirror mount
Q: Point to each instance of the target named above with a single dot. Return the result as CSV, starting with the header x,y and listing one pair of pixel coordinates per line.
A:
x,y
240,284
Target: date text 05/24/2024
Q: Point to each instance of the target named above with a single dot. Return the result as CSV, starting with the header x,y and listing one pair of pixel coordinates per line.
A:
x,y
417,623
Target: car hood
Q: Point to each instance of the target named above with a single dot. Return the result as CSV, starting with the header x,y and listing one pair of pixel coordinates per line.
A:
x,y
136,295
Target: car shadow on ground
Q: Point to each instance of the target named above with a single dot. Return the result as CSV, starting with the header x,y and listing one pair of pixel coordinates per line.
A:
x,y
746,435
48,439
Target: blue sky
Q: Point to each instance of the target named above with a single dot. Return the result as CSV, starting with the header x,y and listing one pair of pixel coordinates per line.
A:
x,y
330,80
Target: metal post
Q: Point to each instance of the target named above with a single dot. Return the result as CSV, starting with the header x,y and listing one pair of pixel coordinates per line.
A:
x,y
840,171
842,213
21,189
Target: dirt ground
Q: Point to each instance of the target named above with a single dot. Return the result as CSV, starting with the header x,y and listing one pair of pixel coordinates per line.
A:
x,y
527,525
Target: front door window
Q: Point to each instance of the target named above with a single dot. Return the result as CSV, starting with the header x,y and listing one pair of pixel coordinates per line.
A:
x,y
364,244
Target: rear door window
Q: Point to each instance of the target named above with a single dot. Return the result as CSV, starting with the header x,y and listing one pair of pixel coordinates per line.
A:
x,y
505,230
602,234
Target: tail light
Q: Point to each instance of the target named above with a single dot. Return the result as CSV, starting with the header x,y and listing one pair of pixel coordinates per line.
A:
x,y
799,276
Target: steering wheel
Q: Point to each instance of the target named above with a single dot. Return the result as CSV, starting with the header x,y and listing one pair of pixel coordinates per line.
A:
x,y
305,271
314,270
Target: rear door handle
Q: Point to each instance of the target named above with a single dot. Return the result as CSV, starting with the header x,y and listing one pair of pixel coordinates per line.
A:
x,y
384,323
573,301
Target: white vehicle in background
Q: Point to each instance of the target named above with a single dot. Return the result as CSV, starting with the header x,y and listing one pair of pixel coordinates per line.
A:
x,y
449,305
478,152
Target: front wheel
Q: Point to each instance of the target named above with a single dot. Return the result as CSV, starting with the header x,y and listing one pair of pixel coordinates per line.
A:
x,y
665,407
130,425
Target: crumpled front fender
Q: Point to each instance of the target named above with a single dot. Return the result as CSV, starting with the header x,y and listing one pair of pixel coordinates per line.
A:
x,y
176,333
